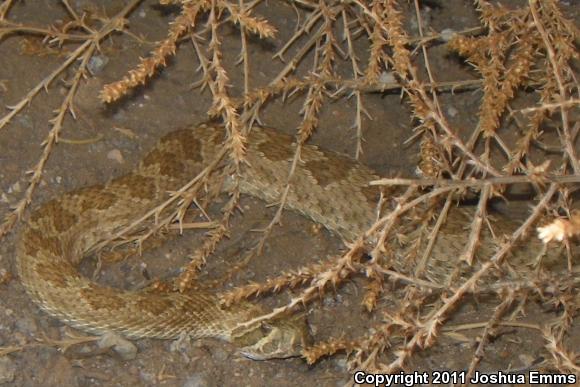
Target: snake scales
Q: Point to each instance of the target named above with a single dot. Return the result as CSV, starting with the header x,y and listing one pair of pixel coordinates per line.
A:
x,y
328,188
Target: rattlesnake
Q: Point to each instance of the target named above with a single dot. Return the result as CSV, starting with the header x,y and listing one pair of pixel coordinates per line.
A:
x,y
328,188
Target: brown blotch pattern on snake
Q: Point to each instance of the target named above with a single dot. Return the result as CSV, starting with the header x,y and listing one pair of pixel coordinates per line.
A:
x,y
56,274
137,186
101,298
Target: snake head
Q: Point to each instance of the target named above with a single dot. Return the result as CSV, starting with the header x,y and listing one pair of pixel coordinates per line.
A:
x,y
277,339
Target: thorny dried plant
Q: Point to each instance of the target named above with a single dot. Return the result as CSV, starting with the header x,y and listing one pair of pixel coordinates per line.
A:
x,y
530,48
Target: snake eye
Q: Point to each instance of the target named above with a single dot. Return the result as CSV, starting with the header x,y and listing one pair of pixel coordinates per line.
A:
x,y
366,257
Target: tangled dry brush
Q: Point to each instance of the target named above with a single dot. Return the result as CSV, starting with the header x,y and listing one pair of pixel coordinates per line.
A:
x,y
531,49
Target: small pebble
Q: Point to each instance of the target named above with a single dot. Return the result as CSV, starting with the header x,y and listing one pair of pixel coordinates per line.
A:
x,y
332,300
14,188
387,77
452,111
116,155
96,63
147,377
447,34
341,364
126,349
220,354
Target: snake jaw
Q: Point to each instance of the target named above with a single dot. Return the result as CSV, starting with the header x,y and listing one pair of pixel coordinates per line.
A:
x,y
280,339
276,345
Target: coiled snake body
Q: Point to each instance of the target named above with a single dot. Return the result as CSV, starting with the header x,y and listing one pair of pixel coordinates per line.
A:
x,y
328,188
58,234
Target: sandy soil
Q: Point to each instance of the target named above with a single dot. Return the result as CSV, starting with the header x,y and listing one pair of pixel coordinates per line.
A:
x,y
166,103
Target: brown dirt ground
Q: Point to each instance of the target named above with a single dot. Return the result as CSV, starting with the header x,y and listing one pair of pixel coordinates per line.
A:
x,y
166,103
